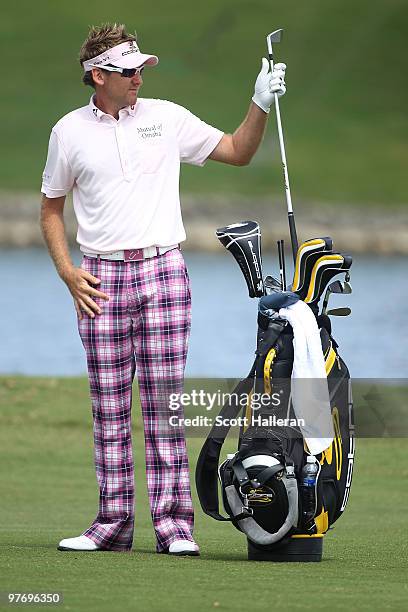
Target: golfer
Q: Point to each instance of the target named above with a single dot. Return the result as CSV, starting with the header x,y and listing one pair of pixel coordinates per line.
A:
x,y
120,155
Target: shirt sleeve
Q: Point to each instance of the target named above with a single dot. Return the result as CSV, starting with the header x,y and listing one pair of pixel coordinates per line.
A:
x,y
197,140
58,178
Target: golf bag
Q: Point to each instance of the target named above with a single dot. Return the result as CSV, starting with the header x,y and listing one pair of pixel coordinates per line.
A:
x,y
262,483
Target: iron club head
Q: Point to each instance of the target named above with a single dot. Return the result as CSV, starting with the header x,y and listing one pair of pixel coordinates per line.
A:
x,y
347,288
272,284
273,37
339,312
339,287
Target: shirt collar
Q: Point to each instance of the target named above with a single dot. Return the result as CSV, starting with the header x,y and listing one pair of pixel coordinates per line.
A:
x,y
98,114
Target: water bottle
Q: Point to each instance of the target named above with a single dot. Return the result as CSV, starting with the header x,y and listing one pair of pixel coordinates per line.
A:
x,y
308,492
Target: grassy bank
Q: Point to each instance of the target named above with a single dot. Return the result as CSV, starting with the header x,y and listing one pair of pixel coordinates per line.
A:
x,y
49,492
344,113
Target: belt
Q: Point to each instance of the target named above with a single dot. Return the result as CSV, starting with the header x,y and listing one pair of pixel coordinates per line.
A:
x,y
133,254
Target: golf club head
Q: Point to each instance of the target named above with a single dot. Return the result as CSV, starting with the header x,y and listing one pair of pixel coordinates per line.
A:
x,y
272,284
243,241
339,312
326,268
308,253
340,287
347,288
336,287
273,37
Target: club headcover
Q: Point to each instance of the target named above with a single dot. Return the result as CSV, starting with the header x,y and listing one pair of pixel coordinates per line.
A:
x,y
324,269
243,240
307,255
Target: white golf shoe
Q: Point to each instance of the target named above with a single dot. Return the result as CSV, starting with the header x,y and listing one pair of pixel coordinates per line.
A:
x,y
79,543
183,548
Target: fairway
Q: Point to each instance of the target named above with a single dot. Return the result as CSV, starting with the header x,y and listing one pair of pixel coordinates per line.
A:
x,y
48,491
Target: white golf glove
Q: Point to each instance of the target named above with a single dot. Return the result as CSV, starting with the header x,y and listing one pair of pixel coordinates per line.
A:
x,y
267,84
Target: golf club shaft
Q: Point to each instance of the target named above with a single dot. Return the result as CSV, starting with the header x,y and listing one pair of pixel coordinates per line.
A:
x,y
283,264
325,301
291,217
282,271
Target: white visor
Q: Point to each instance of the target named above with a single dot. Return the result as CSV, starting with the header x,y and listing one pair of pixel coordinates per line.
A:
x,y
125,55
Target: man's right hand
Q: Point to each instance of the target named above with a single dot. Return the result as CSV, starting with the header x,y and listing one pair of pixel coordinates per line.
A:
x,y
80,282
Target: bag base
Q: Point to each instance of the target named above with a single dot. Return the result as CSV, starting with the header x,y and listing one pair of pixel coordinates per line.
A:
x,y
299,548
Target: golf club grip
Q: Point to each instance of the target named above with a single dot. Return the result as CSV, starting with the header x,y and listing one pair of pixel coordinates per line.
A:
x,y
293,235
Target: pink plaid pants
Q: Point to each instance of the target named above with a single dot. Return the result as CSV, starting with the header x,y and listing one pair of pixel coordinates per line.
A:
x,y
144,328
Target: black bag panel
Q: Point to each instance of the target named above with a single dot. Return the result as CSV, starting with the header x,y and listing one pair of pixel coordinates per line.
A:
x,y
338,460
330,498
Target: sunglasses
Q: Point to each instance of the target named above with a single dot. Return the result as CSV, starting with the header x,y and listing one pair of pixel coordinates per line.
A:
x,y
125,72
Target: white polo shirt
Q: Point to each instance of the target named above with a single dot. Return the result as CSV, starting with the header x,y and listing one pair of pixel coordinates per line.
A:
x,y
125,173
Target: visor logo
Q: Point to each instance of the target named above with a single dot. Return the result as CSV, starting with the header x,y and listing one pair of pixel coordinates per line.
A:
x,y
133,48
103,60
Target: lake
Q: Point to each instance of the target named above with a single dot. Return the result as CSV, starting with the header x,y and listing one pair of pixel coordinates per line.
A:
x,y
38,324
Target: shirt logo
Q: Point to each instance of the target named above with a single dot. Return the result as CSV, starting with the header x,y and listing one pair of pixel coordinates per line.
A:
x,y
151,131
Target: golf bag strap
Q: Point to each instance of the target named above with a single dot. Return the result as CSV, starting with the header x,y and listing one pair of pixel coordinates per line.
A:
x,y
208,461
243,478
267,336
239,517
266,474
240,473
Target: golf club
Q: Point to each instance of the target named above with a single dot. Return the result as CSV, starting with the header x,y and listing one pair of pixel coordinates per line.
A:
x,y
282,272
326,268
339,312
308,253
243,240
272,284
275,37
336,287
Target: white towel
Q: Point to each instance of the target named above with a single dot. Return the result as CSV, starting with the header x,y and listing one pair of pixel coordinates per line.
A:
x,y
310,392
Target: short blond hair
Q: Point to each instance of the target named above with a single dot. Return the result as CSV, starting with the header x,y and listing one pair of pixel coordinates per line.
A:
x,y
100,39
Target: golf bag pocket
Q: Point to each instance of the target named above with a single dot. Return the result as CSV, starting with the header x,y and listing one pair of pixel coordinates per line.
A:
x,y
260,494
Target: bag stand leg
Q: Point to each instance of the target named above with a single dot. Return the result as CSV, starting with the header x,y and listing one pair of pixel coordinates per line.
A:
x,y
299,548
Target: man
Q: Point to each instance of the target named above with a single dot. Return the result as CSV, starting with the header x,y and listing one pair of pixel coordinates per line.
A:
x,y
121,156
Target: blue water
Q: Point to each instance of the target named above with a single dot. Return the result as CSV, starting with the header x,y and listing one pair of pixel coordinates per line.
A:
x,y
38,334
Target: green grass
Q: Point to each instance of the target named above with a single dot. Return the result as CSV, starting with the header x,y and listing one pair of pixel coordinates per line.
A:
x,y
48,491
344,115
